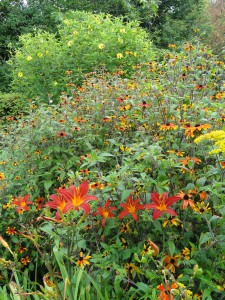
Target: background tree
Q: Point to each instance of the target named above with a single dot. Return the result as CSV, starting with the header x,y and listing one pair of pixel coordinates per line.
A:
x,y
176,20
216,16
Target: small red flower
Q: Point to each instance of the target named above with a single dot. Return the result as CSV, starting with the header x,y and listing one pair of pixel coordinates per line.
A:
x,y
131,207
62,133
22,203
161,204
144,104
77,197
105,212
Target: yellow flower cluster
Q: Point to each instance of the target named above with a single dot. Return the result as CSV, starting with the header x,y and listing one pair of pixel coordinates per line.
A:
x,y
218,137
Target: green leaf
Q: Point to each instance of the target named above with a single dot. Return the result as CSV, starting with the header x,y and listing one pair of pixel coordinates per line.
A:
x,y
48,184
125,194
204,238
143,287
200,182
172,247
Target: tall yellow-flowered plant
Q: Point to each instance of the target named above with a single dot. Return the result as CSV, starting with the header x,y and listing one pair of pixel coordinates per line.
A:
x,y
218,139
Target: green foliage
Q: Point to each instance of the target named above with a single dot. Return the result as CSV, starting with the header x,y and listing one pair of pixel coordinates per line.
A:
x,y
177,21
124,137
11,105
46,65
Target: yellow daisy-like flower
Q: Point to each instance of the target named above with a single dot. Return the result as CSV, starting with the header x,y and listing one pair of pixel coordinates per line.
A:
x,y
20,74
83,261
119,55
101,46
131,268
40,54
29,58
2,176
172,46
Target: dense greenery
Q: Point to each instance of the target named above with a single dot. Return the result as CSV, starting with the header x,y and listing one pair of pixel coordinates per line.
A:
x,y
166,21
112,151
124,143
85,43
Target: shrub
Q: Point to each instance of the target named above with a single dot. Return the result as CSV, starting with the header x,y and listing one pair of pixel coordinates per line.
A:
x,y
11,105
46,65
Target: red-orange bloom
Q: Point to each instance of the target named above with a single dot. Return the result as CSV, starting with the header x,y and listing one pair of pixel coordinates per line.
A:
x,y
59,203
131,207
165,291
77,197
161,204
187,200
105,212
22,203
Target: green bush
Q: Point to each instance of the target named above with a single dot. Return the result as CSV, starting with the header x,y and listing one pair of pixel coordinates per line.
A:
x,y
11,105
48,65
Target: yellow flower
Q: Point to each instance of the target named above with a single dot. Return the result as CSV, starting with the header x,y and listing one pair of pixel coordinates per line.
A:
x,y
20,74
70,43
123,30
218,136
2,176
83,261
131,268
172,46
40,54
119,55
29,58
101,46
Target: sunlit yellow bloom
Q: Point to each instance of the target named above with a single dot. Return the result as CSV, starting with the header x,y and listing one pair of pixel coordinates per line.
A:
x,y
101,46
29,58
20,74
119,55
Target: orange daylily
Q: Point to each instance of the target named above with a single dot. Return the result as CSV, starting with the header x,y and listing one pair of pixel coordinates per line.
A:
x,y
161,204
77,197
105,212
131,207
22,203
59,203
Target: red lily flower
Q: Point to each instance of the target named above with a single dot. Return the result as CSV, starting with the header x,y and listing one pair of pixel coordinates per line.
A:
x,y
105,212
22,203
59,203
161,204
131,207
77,197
